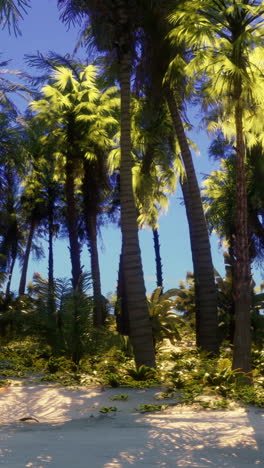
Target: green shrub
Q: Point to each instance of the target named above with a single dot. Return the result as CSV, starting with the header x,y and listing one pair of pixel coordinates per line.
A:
x,y
142,373
56,364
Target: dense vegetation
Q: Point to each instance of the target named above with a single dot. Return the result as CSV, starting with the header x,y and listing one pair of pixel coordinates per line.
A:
x,y
108,141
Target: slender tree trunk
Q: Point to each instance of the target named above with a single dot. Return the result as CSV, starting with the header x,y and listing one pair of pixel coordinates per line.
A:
x,y
91,206
10,274
72,223
231,333
157,257
52,306
205,289
99,309
242,290
22,284
51,256
139,320
121,308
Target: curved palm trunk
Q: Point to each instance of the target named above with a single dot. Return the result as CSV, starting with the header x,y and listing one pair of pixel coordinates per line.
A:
x,y
139,320
22,284
242,290
205,289
72,222
99,309
157,257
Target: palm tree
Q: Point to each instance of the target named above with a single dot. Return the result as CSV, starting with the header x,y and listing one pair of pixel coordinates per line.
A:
x,y
157,55
95,188
59,105
11,235
98,124
38,148
33,207
96,185
155,169
75,91
226,39
118,21
11,170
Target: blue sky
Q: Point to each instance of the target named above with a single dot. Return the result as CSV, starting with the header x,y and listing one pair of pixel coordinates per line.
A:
x,y
42,30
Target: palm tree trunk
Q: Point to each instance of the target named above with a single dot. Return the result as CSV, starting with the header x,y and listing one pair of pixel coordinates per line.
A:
x,y
121,310
157,257
52,306
205,289
72,223
139,320
51,256
22,284
10,274
242,291
99,309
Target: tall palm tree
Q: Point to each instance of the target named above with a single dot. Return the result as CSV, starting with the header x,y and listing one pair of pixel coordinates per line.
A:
x,y
86,119
157,55
117,21
33,210
156,167
98,123
11,170
38,146
59,105
226,39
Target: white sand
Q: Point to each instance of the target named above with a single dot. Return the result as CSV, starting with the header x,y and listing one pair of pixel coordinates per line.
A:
x,y
72,433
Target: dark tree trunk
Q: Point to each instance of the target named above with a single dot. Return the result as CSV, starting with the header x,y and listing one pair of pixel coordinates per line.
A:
x,y
231,330
205,289
52,306
157,257
72,223
91,187
99,309
22,284
139,320
242,289
10,273
121,309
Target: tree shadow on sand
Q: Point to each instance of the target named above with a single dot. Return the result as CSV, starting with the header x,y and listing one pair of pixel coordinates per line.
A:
x,y
204,439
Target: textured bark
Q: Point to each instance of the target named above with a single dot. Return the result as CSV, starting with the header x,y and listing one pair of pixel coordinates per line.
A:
x,y
139,320
22,284
91,186
51,256
121,309
99,309
242,290
147,159
157,257
72,224
52,306
10,274
205,289
231,335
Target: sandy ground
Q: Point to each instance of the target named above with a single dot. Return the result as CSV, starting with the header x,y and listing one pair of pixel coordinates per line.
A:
x,y
72,432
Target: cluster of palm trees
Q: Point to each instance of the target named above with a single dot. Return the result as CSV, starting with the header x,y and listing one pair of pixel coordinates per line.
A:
x,y
94,142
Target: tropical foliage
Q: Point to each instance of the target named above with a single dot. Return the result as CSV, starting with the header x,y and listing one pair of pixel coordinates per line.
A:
x,y
107,141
